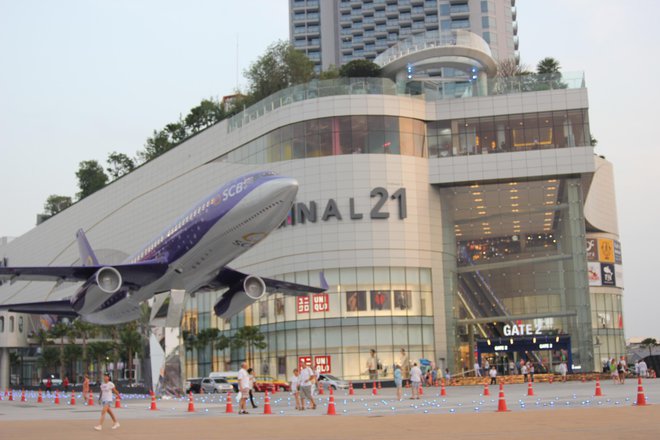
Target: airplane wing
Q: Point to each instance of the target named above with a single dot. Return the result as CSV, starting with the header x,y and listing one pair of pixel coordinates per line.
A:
x,y
138,274
60,307
229,277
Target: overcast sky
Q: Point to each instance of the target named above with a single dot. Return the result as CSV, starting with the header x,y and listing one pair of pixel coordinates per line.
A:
x,y
80,79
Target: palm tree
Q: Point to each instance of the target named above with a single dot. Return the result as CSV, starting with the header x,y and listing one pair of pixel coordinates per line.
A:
x,y
131,342
43,339
84,330
249,337
72,353
60,331
649,343
48,359
548,65
100,351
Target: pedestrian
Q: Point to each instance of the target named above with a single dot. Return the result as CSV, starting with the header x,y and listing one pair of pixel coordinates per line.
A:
x,y
243,387
65,384
434,376
477,369
512,367
563,369
307,379
404,363
107,390
523,370
372,365
493,375
531,371
621,369
447,376
85,387
49,385
295,388
643,369
252,380
614,372
398,382
416,380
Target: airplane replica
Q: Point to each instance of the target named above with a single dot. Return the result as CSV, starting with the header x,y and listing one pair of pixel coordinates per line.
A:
x,y
191,255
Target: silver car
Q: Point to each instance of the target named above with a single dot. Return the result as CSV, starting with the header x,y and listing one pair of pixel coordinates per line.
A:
x,y
328,380
216,385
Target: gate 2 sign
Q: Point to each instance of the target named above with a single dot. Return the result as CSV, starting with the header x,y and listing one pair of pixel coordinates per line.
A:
x,y
521,330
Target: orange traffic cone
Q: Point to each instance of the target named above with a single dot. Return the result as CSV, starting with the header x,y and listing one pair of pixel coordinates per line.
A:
x,y
551,378
73,399
40,398
117,402
584,378
275,387
374,391
229,408
153,402
530,390
486,390
641,398
90,399
11,395
57,398
267,404
331,405
501,406
191,404
351,391
421,390
443,392
320,389
23,396
598,390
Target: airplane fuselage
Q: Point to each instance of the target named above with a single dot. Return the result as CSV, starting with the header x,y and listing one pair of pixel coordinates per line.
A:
x,y
198,245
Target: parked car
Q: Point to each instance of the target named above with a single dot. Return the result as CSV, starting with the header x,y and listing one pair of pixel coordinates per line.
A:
x,y
328,380
268,383
193,384
216,385
229,376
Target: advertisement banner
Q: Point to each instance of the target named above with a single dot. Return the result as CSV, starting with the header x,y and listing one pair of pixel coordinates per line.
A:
x,y
617,253
302,304
320,302
592,249
303,360
618,275
593,269
607,274
605,250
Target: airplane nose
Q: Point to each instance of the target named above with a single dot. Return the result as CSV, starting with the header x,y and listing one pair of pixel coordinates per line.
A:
x,y
284,188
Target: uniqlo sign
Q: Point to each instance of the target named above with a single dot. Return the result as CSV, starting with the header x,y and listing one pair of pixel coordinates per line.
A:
x,y
303,304
302,361
322,364
320,303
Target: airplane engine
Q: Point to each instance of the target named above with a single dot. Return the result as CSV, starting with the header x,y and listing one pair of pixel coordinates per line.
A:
x,y
108,279
239,296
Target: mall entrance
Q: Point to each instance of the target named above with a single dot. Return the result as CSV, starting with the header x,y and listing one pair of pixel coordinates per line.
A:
x,y
545,351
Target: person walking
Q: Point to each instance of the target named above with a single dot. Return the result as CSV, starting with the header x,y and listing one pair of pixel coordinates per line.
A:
x,y
404,363
416,380
493,375
252,380
65,384
107,390
563,369
85,387
307,378
49,385
398,381
295,388
523,370
372,365
243,387
531,371
477,369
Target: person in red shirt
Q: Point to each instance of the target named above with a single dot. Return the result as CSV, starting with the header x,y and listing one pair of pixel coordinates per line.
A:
x,y
65,384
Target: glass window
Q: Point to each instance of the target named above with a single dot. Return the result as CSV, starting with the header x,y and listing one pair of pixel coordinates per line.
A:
x,y
2,324
484,5
484,22
11,324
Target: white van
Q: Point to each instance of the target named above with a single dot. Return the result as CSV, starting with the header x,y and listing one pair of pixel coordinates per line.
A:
x,y
230,376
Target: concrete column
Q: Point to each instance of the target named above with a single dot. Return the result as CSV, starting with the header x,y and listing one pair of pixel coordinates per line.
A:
x,y
4,368
482,83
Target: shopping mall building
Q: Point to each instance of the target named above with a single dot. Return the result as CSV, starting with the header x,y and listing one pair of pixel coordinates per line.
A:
x,y
458,218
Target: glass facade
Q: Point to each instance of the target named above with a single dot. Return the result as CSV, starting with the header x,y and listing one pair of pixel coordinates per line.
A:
x,y
365,308
520,259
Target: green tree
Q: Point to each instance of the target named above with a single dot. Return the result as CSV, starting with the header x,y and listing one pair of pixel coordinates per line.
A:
x,y
91,178
100,352
359,69
649,343
207,113
280,67
332,72
119,164
55,203
249,337
548,65
60,331
42,337
509,67
131,342
72,353
177,131
84,330
49,360
156,145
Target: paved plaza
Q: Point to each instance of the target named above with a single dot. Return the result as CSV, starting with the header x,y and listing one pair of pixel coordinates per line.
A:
x,y
559,409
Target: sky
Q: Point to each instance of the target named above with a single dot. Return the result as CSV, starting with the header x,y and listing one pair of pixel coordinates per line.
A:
x,y
80,79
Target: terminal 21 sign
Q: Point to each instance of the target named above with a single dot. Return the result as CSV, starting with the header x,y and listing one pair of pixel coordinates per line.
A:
x,y
383,205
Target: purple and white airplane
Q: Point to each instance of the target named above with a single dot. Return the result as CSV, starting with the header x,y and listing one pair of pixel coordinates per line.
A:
x,y
190,255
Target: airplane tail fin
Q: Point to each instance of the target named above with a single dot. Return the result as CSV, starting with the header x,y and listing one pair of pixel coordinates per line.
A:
x,y
87,256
